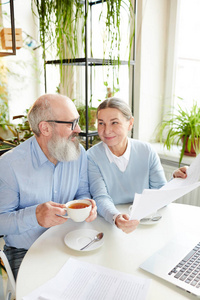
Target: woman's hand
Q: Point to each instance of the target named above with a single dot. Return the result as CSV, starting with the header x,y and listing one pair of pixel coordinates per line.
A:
x,y
126,225
180,173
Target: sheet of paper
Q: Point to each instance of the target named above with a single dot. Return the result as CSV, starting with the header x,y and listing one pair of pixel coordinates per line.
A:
x,y
151,200
83,281
193,175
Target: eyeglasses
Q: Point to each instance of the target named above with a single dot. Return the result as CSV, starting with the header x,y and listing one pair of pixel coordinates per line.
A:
x,y
74,123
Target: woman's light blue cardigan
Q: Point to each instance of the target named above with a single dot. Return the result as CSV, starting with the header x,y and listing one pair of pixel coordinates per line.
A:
x,y
109,186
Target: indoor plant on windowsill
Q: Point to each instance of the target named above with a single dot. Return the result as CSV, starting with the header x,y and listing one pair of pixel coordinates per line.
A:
x,y
182,126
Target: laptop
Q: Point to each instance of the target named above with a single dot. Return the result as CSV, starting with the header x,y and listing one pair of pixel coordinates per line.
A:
x,y
178,262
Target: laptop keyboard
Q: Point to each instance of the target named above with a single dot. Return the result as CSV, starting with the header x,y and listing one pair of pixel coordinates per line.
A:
x,y
188,269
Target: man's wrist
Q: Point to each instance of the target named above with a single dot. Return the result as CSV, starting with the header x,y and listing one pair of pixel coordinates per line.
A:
x,y
114,218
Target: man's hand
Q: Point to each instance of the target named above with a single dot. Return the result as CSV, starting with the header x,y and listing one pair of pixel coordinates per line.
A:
x,y
126,225
46,214
180,173
93,212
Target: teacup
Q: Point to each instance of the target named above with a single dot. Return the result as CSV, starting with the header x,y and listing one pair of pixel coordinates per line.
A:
x,y
78,210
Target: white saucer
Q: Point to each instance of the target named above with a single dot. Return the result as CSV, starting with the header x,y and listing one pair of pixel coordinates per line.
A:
x,y
150,222
79,238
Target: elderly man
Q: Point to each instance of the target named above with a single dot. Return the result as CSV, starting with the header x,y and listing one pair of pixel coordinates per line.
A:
x,y
39,176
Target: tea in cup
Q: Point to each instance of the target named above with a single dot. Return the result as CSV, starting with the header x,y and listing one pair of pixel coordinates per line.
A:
x,y
78,210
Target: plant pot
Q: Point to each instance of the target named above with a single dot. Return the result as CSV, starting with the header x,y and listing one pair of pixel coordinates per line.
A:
x,y
192,151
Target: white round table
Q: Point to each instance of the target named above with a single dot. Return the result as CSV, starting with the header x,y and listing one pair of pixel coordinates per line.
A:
x,y
120,251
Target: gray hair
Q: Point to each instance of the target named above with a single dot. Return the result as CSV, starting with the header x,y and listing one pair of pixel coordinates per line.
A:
x,y
118,104
40,111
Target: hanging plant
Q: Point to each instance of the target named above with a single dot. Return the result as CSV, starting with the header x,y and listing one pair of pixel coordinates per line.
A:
x,y
113,23
115,14
59,22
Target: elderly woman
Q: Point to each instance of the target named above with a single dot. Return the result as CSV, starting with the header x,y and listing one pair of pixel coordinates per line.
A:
x,y
120,166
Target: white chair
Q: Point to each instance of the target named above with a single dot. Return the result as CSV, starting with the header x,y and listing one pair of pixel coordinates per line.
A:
x,y
7,281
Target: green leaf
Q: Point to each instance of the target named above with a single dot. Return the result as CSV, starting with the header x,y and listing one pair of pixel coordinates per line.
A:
x,y
180,123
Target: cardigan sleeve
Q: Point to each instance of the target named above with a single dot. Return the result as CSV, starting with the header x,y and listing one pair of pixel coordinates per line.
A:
x,y
98,190
156,173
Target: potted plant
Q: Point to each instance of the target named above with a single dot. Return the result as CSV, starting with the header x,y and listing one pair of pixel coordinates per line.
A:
x,y
91,117
182,126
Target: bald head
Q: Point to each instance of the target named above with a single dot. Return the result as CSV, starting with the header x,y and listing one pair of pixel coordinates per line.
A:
x,y
50,107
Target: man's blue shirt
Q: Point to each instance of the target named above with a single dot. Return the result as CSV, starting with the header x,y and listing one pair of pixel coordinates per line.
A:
x,y
28,178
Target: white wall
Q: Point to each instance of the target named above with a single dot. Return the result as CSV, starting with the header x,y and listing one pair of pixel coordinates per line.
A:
x,y
24,87
151,52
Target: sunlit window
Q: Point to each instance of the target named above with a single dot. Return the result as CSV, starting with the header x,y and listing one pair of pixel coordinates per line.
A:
x,y
187,79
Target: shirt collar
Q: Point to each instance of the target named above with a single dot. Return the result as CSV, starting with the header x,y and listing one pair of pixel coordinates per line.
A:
x,y
39,156
113,157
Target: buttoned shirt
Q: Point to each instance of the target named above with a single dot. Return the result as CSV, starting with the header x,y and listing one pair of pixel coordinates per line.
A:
x,y
28,178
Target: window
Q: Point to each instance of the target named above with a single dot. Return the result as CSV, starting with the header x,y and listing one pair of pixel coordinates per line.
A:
x,y
187,63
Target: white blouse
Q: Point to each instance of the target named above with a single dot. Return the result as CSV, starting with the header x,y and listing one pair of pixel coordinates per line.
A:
x,y
120,161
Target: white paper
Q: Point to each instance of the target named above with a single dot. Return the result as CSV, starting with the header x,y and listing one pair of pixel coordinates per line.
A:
x,y
150,201
193,175
83,281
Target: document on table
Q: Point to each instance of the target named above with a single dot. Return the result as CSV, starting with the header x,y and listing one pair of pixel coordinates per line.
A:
x,y
151,200
83,281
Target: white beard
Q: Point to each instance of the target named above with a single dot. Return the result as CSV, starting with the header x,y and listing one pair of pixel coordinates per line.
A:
x,y
63,149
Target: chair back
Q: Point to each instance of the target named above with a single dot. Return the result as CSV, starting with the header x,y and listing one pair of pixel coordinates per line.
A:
x,y
7,281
